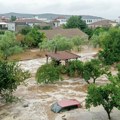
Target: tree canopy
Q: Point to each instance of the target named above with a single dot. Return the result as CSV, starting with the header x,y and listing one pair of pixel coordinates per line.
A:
x,y
76,22
9,45
110,46
10,77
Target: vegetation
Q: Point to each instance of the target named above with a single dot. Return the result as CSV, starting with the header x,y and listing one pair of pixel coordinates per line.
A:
x,y
32,37
9,45
74,68
76,22
62,43
103,95
48,73
111,46
59,42
93,69
13,18
10,77
78,42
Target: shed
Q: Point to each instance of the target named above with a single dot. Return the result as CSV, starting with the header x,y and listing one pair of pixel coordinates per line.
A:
x,y
61,56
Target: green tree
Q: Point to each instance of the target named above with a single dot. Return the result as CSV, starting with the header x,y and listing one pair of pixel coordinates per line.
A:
x,y
93,69
74,68
78,42
76,22
61,43
111,46
103,95
10,77
48,73
33,37
25,30
13,18
9,45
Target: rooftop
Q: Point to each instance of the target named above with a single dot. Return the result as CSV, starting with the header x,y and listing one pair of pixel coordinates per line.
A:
x,y
103,22
62,55
28,20
69,33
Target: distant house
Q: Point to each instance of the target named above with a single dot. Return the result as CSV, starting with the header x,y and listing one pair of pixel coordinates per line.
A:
x,y
21,23
91,19
3,26
103,23
59,21
69,33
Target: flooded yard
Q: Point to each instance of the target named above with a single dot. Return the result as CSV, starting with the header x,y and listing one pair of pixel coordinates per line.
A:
x,y
35,100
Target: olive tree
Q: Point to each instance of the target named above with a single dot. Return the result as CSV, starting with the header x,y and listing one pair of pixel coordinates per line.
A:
x,y
48,73
62,43
93,69
103,95
110,52
10,77
9,45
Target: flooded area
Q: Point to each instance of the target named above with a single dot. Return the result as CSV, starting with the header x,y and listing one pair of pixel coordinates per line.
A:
x,y
35,100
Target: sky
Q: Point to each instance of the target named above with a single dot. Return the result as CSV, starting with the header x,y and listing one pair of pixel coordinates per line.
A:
x,y
103,8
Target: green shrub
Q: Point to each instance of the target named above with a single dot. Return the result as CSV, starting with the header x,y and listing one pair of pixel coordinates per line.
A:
x,y
74,68
48,73
111,46
93,69
107,96
10,77
61,43
9,45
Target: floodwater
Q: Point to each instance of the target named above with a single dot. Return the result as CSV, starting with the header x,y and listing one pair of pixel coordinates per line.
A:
x,y
35,100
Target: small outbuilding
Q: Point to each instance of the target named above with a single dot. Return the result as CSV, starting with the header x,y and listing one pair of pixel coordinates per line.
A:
x,y
59,56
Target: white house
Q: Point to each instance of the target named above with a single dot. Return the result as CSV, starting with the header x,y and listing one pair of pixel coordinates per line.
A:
x,y
91,19
11,26
62,20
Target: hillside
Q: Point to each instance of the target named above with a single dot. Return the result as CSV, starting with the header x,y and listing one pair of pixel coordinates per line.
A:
x,y
49,16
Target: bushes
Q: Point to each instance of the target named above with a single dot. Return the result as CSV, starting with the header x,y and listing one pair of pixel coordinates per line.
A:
x,y
48,73
32,37
111,46
10,77
74,68
62,43
93,69
103,95
9,45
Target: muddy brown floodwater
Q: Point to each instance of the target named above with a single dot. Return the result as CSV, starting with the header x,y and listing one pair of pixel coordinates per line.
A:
x,y
35,100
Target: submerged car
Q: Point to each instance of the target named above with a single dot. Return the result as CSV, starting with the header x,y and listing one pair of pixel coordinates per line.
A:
x,y
65,105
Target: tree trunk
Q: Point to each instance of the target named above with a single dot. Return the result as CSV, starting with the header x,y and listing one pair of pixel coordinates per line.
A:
x,y
87,81
108,113
94,80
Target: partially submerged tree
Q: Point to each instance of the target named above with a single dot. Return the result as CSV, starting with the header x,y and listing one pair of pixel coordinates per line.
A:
x,y
103,95
48,73
74,68
92,70
10,77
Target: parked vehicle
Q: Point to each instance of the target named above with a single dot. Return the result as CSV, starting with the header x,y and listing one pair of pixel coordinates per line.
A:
x,y
65,105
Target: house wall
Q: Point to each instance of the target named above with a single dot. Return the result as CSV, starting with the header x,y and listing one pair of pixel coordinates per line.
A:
x,y
11,26
62,21
89,21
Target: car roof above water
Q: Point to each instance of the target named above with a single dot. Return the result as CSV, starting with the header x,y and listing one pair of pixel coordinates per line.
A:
x,y
70,102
